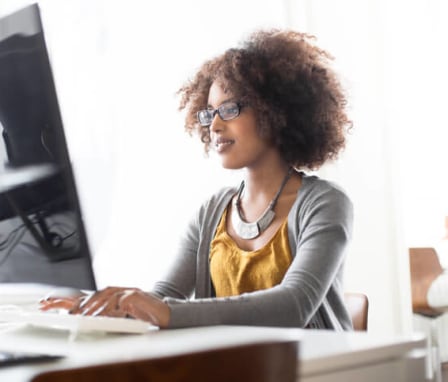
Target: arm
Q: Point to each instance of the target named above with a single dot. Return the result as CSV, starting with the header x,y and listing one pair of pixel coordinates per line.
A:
x,y
179,283
180,279
189,274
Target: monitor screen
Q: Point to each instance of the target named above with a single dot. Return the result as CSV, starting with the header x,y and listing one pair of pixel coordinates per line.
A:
x,y
42,236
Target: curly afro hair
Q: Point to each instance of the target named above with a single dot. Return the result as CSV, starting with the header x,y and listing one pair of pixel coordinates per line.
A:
x,y
299,102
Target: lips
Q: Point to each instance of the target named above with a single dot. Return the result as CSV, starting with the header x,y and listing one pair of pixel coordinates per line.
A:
x,y
222,143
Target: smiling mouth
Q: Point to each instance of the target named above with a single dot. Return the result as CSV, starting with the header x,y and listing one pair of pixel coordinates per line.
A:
x,y
222,144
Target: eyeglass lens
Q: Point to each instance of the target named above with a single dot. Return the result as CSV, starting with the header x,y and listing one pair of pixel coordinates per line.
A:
x,y
226,111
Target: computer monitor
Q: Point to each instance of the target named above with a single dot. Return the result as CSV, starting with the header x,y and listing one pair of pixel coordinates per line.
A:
x,y
42,236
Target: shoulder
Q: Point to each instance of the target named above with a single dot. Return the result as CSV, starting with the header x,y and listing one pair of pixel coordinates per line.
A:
x,y
213,207
315,189
222,196
207,215
320,201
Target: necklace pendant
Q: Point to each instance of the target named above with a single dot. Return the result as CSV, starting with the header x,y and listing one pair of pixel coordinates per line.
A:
x,y
248,231
245,230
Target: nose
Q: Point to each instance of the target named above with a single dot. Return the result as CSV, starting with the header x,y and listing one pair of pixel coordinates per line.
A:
x,y
217,124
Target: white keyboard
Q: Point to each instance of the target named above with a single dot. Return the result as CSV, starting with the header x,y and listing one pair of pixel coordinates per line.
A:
x,y
19,304
74,323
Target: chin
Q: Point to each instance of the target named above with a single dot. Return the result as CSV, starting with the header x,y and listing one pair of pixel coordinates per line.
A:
x,y
231,162
231,166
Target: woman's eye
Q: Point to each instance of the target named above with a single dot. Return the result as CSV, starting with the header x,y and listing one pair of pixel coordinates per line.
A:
x,y
229,109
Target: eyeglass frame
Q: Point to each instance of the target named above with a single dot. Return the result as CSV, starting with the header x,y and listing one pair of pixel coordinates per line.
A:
x,y
213,112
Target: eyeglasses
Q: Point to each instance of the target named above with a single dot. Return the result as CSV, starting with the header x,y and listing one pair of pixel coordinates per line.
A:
x,y
226,111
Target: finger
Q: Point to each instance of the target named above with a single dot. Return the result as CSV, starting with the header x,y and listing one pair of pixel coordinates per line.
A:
x,y
104,302
114,308
49,300
63,293
56,304
76,307
55,301
110,308
90,303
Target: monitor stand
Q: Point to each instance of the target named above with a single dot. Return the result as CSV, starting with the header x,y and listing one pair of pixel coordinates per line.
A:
x,y
11,178
49,241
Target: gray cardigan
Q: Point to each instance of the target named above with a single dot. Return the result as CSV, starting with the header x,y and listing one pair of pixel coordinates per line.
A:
x,y
311,292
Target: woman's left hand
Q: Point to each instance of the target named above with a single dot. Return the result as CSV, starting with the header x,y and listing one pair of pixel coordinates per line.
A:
x,y
117,302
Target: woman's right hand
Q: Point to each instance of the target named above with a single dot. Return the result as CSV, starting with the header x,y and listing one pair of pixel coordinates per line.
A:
x,y
62,301
114,302
89,304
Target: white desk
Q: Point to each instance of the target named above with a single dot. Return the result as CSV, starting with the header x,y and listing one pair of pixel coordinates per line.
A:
x,y
323,355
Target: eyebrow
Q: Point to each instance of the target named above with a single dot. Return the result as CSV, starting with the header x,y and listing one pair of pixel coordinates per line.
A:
x,y
232,99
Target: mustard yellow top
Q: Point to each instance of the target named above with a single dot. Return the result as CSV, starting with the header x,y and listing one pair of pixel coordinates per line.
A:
x,y
235,271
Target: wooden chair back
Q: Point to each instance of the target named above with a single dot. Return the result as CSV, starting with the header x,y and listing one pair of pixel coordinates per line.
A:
x,y
425,268
358,306
262,362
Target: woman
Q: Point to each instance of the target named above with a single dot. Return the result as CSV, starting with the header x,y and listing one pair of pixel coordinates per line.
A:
x,y
271,251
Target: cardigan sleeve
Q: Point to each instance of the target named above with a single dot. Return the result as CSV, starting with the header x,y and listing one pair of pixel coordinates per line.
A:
x,y
179,281
189,274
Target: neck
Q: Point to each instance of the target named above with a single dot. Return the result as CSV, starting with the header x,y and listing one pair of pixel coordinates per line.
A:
x,y
264,182
250,230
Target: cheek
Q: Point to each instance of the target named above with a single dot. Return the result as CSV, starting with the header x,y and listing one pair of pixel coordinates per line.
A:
x,y
248,125
249,131
252,144
249,117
